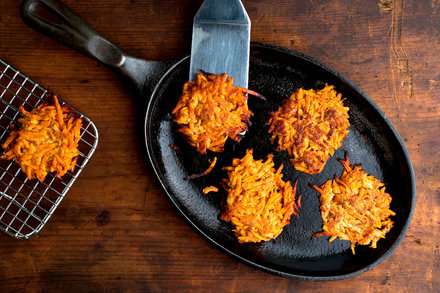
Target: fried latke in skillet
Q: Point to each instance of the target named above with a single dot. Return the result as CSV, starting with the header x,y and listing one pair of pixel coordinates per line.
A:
x,y
310,125
259,203
211,110
355,207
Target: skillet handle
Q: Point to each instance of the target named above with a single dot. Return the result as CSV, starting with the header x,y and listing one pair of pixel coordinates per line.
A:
x,y
57,21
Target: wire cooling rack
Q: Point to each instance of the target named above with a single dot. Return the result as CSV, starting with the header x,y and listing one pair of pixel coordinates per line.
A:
x,y
26,205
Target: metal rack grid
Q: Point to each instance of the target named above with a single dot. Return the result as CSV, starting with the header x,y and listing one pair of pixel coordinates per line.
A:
x,y
26,205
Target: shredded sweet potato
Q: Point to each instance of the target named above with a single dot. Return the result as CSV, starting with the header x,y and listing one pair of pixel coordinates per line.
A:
x,y
47,141
210,110
206,172
355,207
209,189
259,203
310,125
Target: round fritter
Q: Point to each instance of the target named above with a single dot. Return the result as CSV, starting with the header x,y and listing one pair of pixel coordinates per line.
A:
x,y
259,202
355,207
310,125
210,110
47,141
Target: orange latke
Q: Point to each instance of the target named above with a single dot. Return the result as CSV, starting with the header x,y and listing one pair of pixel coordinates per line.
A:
x,y
211,110
47,141
259,203
310,125
355,207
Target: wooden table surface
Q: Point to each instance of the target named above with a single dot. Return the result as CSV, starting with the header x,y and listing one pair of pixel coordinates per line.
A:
x,y
116,230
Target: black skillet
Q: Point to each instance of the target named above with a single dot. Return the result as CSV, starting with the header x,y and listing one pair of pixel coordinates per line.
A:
x,y
275,73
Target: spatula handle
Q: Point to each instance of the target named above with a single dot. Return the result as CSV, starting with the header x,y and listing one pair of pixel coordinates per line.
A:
x,y
57,21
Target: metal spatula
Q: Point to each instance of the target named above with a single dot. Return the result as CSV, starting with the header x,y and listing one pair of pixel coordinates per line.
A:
x,y
220,41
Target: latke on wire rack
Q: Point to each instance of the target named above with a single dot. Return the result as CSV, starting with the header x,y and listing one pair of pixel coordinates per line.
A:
x,y
47,141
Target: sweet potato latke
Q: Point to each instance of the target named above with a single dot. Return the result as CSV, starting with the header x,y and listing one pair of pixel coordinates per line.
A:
x,y
259,202
210,110
310,125
355,207
47,141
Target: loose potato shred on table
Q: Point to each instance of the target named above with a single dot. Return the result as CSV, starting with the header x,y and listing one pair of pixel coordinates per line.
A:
x,y
211,110
310,125
259,203
355,207
47,141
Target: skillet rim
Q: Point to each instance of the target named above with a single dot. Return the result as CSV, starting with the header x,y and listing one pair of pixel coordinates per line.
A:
x,y
348,82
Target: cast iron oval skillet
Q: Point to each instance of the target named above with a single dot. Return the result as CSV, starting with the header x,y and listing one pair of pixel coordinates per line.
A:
x,y
275,73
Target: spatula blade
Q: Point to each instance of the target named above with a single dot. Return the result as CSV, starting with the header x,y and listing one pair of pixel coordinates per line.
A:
x,y
221,40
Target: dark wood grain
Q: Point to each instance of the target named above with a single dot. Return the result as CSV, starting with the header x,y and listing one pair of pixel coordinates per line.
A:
x,y
116,231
